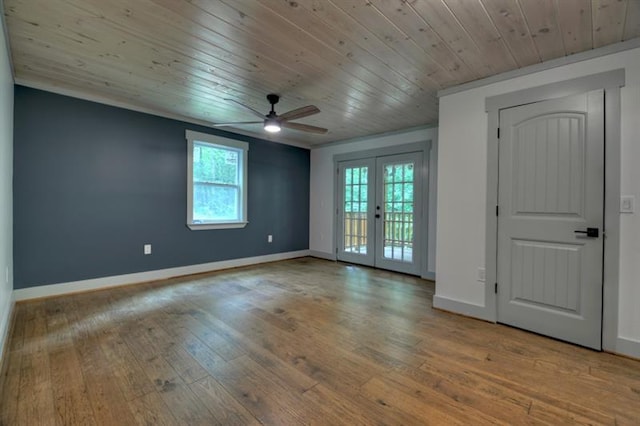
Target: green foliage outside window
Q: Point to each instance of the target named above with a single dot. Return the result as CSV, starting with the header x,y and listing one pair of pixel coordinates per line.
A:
x,y
356,191
216,183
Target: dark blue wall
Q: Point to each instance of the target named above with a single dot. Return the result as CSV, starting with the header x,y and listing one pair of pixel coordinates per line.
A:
x,y
93,183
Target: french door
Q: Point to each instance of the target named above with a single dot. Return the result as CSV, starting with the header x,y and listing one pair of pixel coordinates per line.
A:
x,y
379,211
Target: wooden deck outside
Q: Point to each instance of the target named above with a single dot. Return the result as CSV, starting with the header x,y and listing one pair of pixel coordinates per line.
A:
x,y
297,342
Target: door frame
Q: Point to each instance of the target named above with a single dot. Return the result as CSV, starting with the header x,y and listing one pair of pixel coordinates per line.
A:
x,y
610,82
423,147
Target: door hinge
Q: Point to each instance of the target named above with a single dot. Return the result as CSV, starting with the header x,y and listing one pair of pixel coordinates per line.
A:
x,y
495,288
498,132
497,210
337,211
338,171
336,250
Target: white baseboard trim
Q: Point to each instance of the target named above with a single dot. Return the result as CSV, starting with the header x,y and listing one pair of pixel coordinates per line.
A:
x,y
628,347
5,324
462,308
322,255
118,280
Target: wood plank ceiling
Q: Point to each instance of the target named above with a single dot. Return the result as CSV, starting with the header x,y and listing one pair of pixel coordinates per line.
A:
x,y
371,66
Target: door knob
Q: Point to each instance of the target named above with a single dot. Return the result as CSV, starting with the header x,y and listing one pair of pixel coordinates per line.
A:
x,y
590,232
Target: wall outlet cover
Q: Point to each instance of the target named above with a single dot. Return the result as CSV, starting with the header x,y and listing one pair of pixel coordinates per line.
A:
x,y
481,274
147,249
627,203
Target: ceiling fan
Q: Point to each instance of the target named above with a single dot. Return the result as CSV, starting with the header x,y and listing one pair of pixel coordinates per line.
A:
x,y
273,122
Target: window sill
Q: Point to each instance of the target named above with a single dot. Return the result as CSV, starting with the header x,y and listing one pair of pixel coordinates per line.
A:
x,y
206,226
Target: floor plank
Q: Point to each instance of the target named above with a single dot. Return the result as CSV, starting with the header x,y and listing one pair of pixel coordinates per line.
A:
x,y
304,341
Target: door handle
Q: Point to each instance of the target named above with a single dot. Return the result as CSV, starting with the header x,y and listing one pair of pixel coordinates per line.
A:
x,y
590,232
377,216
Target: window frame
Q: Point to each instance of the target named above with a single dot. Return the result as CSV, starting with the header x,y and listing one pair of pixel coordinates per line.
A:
x,y
224,143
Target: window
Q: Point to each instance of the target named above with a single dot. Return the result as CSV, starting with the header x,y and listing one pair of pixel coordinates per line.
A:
x,y
216,182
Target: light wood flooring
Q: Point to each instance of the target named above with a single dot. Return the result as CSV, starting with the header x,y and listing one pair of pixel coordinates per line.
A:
x,y
304,341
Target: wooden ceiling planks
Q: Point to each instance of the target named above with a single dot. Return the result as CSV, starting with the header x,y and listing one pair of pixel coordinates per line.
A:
x,y
542,20
632,21
574,17
408,21
608,21
476,22
371,66
509,20
442,20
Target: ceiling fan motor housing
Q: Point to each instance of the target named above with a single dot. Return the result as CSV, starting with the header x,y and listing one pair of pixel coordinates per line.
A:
x,y
273,99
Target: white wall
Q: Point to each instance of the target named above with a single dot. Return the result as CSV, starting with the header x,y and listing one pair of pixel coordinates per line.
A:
x,y
462,184
321,230
6,191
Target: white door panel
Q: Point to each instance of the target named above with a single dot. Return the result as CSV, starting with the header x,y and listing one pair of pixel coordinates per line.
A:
x,y
551,184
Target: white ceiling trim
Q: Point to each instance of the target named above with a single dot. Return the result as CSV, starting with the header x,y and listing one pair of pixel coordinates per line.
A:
x,y
553,63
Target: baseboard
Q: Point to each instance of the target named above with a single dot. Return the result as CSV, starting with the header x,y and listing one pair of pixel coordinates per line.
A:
x,y
6,324
627,347
322,255
118,280
462,308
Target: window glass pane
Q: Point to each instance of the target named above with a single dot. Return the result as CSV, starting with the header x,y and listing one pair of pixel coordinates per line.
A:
x,y
397,173
408,173
388,173
388,193
356,193
215,203
408,192
215,164
356,176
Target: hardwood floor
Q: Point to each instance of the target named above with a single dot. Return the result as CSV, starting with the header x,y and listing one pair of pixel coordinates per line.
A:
x,y
304,341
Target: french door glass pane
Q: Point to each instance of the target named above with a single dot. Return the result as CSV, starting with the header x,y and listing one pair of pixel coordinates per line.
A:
x,y
355,209
398,211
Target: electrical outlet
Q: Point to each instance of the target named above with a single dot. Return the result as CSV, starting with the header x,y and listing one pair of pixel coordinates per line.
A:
x,y
269,238
481,274
147,249
627,203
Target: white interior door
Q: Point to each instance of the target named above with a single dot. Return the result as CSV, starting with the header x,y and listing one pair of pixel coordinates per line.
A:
x,y
379,212
551,193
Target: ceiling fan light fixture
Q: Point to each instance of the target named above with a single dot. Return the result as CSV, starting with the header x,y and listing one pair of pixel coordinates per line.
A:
x,y
272,125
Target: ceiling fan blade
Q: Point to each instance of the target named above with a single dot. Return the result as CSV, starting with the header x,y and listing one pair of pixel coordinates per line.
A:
x,y
237,123
256,112
294,114
304,127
